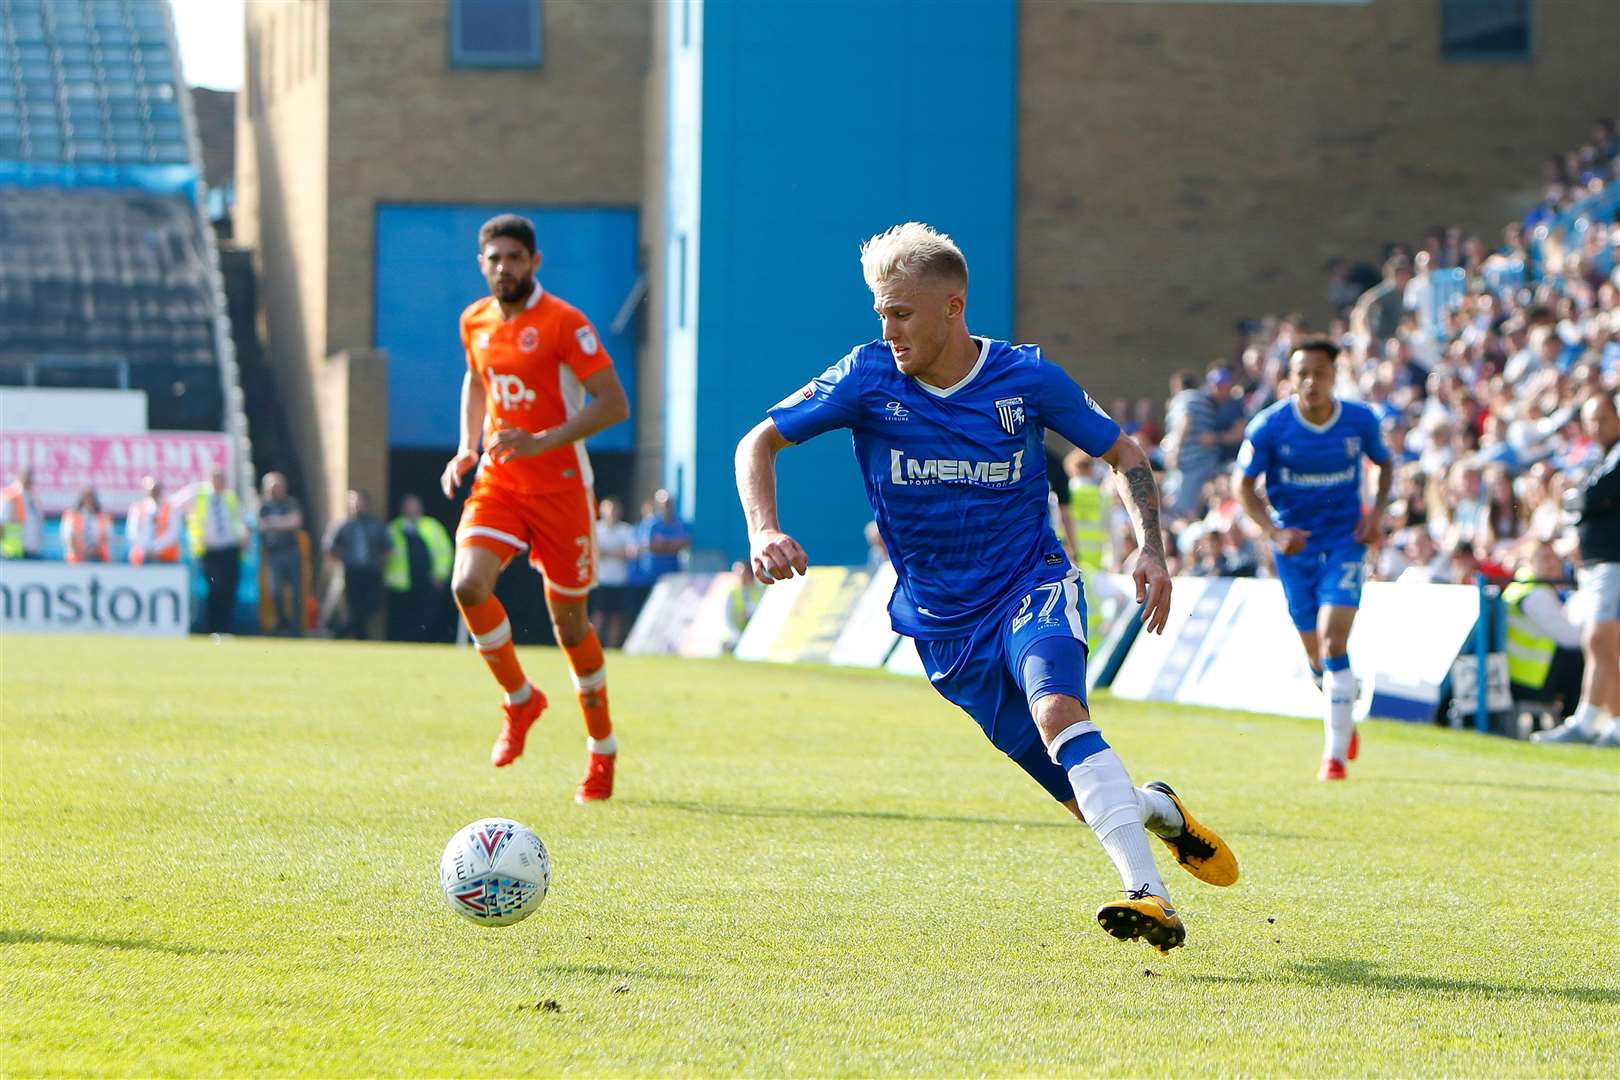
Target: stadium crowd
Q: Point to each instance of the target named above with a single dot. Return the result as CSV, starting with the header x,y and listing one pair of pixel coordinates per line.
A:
x,y
1478,361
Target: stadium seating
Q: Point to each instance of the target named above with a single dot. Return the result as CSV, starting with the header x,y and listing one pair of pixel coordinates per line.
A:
x,y
87,83
107,271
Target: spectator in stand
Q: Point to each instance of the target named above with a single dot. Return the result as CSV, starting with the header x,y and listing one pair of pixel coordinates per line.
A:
x,y
87,530
360,544
661,538
152,528
1190,451
281,551
1382,307
417,573
217,533
615,548
1229,411
22,524
1143,415
1240,555
1597,509
1466,566
1543,645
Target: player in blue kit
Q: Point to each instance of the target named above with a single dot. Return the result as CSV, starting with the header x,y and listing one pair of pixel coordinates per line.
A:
x,y
949,435
1309,448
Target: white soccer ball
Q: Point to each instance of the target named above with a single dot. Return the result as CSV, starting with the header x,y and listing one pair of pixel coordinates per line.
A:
x,y
495,872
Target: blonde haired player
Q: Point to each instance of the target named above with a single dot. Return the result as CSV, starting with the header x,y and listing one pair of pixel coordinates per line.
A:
x,y
532,359
949,433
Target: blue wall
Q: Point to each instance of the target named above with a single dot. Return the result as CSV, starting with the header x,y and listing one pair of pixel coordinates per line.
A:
x,y
822,122
427,273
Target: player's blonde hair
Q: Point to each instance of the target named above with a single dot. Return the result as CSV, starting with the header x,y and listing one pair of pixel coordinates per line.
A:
x,y
912,251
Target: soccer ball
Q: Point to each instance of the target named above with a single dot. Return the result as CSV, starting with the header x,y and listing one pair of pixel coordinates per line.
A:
x,y
495,872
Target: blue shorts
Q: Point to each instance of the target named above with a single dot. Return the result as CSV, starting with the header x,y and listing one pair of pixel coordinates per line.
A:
x,y
1313,580
1028,648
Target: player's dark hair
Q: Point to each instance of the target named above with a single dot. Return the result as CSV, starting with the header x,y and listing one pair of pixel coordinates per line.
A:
x,y
510,226
1185,379
1326,346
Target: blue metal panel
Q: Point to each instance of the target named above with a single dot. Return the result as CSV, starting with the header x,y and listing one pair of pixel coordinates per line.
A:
x,y
427,274
815,134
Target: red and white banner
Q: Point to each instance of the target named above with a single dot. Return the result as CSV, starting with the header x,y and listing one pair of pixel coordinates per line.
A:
x,y
112,464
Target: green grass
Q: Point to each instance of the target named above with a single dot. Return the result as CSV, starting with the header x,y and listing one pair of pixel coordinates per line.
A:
x,y
222,860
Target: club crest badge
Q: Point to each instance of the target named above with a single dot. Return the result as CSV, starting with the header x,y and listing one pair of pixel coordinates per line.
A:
x,y
1010,414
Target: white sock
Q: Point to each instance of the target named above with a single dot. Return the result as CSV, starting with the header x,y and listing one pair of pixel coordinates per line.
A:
x,y
1585,717
609,745
1159,814
520,695
1108,802
1340,723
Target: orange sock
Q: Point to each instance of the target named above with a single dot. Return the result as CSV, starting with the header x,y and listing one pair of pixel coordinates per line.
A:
x,y
590,679
493,634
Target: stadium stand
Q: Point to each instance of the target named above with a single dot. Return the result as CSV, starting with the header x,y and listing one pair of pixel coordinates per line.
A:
x,y
1478,387
109,275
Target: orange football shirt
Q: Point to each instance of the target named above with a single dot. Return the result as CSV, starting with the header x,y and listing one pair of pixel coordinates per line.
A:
x,y
533,368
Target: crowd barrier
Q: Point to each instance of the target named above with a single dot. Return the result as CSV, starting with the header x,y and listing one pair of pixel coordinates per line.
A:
x,y
1229,643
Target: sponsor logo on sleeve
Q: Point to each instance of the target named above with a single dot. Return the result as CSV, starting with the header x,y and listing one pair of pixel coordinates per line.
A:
x,y
587,340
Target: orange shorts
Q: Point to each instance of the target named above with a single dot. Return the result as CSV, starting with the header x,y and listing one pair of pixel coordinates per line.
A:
x,y
557,528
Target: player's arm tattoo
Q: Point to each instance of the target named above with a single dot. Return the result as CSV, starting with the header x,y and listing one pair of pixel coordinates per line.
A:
x,y
1142,499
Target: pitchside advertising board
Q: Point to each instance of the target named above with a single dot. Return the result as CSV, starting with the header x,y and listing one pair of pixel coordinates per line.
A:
x,y
1229,644
88,598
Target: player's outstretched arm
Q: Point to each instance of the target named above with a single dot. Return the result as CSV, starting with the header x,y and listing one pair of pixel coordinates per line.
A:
x,y
1141,497
773,554
472,428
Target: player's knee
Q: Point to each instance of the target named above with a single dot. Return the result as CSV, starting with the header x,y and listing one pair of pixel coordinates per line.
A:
x,y
469,590
570,632
1056,713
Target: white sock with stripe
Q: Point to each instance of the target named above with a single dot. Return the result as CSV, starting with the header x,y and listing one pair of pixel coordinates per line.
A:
x,y
1108,802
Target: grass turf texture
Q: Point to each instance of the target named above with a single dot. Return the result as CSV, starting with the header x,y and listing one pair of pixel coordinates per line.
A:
x,y
223,860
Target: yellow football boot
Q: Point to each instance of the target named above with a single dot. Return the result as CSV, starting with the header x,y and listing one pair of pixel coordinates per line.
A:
x,y
1145,916
1199,851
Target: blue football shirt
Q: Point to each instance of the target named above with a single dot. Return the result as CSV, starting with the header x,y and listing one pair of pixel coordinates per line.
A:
x,y
1313,473
956,477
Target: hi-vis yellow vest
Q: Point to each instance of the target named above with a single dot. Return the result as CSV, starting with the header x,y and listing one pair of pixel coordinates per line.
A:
x,y
1530,653
1089,510
197,525
441,552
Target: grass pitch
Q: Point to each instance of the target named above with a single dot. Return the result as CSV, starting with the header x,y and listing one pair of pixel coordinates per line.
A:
x,y
222,860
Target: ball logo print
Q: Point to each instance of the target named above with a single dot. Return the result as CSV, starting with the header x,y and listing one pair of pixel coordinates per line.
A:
x,y
495,872
529,339
510,391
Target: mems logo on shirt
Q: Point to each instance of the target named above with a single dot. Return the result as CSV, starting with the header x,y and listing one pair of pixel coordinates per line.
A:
x,y
906,470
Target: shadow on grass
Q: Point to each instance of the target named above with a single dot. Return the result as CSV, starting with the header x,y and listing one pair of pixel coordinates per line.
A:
x,y
1366,974
39,937
813,812
610,971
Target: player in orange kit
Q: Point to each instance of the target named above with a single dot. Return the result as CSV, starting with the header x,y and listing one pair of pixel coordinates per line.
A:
x,y
531,361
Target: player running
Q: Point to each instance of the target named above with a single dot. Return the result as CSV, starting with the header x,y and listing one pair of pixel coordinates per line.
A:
x,y
949,435
531,361
1309,448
